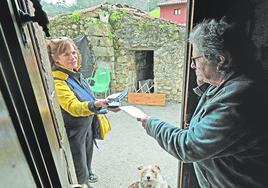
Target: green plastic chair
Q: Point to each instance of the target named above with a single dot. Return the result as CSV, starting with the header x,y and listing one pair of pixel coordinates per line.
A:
x,y
101,81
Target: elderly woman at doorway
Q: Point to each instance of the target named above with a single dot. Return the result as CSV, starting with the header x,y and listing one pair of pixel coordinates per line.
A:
x,y
227,135
76,110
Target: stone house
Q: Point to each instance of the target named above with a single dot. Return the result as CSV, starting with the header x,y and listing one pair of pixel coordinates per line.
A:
x,y
136,47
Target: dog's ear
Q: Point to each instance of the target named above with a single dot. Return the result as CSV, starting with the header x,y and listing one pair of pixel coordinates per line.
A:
x,y
156,167
140,167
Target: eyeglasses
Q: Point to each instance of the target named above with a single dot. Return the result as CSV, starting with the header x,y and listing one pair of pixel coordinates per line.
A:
x,y
194,59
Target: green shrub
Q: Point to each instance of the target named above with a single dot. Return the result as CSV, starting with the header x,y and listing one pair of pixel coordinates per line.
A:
x,y
115,16
75,16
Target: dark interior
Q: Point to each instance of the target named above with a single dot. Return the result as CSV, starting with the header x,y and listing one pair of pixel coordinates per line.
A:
x,y
252,16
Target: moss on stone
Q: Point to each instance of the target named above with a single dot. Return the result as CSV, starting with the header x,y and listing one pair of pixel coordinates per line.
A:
x,y
116,18
95,21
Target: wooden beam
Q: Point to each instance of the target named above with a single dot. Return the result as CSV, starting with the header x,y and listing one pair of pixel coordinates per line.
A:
x,y
147,98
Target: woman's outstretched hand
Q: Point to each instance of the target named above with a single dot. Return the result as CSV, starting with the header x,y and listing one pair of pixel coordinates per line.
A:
x,y
101,103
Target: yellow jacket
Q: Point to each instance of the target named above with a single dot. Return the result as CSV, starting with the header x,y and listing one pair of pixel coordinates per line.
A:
x,y
67,99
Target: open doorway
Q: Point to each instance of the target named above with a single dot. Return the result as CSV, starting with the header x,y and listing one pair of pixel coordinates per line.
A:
x,y
145,71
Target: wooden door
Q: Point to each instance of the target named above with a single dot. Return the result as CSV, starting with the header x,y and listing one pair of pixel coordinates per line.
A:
x,y
32,147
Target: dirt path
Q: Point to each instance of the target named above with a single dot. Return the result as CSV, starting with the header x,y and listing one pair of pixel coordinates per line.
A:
x,y
128,146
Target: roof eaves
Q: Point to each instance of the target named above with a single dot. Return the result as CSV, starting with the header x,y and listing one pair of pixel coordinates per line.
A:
x,y
171,3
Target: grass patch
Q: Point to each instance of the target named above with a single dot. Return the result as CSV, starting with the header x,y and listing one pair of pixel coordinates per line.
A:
x,y
155,12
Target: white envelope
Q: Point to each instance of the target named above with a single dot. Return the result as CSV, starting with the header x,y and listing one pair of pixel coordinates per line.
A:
x,y
133,111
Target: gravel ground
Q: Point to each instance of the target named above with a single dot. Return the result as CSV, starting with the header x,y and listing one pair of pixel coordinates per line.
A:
x,y
128,146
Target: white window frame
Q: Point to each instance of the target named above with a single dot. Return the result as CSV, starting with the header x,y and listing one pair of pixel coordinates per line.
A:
x,y
177,11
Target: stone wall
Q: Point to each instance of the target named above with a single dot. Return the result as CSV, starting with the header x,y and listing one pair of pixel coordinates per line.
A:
x,y
115,33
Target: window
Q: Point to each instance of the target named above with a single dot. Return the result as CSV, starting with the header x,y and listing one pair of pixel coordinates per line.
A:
x,y
177,11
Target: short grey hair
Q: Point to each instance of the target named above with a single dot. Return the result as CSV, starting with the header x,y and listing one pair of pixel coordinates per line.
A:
x,y
210,38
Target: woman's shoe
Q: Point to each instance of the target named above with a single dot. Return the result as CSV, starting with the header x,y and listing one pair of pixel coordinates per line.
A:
x,y
93,178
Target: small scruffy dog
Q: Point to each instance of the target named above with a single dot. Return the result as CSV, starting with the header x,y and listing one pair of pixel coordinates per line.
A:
x,y
150,177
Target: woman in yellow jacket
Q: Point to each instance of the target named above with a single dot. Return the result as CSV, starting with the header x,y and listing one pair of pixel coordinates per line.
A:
x,y
76,110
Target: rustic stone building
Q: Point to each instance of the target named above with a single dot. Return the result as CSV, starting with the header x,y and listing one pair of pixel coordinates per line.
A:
x,y
138,48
